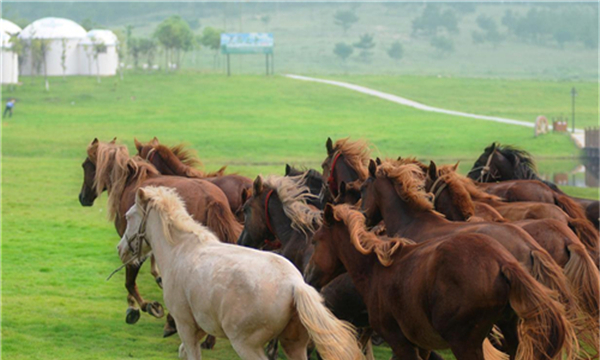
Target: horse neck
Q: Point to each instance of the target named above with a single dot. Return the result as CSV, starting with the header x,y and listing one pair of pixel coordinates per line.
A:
x,y
344,173
173,165
449,209
282,225
399,215
161,248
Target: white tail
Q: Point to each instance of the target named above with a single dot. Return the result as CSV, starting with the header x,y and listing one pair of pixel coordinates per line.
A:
x,y
335,339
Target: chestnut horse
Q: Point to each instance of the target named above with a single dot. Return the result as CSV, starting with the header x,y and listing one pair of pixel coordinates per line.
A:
x,y
179,161
452,198
502,162
346,161
442,293
395,195
108,167
278,211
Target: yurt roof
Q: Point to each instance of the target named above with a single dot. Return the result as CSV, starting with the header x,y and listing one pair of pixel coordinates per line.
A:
x,y
53,28
9,27
106,37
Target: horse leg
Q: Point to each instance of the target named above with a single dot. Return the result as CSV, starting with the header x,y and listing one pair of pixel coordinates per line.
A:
x,y
402,348
190,336
271,349
509,328
170,327
132,315
209,342
155,309
154,271
294,340
465,351
248,352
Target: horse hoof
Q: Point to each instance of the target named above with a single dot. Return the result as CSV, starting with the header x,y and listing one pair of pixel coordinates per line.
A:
x,y
132,316
169,332
170,327
209,343
155,309
159,282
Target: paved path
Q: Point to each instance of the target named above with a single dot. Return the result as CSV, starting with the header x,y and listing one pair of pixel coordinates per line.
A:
x,y
578,137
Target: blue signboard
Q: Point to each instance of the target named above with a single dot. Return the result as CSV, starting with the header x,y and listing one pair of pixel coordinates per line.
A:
x,y
247,43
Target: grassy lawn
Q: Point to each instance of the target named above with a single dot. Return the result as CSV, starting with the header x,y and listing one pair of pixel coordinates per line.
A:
x,y
56,254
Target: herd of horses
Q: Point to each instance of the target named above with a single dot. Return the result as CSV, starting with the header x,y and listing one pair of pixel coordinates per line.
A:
x,y
496,265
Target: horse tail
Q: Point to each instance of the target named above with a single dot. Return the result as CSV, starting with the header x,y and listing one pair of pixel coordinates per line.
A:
x,y
491,353
569,206
544,331
221,221
335,339
588,234
584,279
547,272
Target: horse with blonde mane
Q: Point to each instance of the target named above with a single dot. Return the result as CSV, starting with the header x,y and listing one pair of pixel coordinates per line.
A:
x,y
443,293
395,195
452,198
179,161
205,279
108,167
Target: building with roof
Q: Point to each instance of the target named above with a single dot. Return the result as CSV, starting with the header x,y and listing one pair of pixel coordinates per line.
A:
x,y
72,50
9,59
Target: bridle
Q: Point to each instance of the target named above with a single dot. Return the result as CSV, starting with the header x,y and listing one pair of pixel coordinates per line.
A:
x,y
485,170
333,187
441,184
274,244
150,155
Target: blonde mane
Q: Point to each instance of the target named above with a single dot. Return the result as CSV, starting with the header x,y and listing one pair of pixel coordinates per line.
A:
x,y
293,194
364,241
114,167
357,155
409,183
468,185
173,215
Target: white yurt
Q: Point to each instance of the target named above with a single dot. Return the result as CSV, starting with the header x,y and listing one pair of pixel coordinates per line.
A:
x,y
63,35
108,59
9,59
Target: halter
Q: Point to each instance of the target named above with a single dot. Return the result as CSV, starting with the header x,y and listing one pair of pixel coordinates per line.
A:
x,y
441,188
485,170
150,154
273,244
331,179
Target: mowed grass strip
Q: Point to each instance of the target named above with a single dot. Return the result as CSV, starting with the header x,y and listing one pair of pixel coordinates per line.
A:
x,y
56,254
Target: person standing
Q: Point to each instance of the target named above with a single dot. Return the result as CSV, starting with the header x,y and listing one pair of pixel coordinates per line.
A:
x,y
9,108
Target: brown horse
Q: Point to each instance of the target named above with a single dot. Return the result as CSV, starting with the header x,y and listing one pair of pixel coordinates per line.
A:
x,y
179,161
453,199
443,293
504,162
346,161
109,167
395,195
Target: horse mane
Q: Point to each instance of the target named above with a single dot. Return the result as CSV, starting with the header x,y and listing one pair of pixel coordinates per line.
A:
x,y
114,167
293,194
460,197
357,155
173,215
409,183
409,160
365,241
186,160
455,181
310,174
185,155
522,160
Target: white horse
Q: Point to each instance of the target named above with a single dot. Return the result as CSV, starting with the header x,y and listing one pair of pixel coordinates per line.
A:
x,y
229,291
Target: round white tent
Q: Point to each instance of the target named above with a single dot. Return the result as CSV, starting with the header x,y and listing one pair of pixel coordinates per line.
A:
x,y
10,60
108,59
63,37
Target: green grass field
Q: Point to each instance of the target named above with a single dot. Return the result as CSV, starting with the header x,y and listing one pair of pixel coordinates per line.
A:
x,y
56,254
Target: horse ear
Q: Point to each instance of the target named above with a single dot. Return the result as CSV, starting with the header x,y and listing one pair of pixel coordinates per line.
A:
x,y
288,169
328,217
246,194
141,198
378,161
329,146
114,140
343,188
432,171
154,141
95,141
138,145
372,168
455,167
258,185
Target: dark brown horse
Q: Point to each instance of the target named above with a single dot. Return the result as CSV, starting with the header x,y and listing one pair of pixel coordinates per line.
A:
x,y
314,182
502,163
442,293
452,198
395,195
108,167
179,161
346,161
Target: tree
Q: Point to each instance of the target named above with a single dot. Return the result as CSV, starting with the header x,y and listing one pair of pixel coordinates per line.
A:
x,y
120,47
442,44
147,47
98,47
343,51
490,31
396,51
211,38
63,58
134,49
39,50
365,44
88,24
19,47
175,35
432,19
345,19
